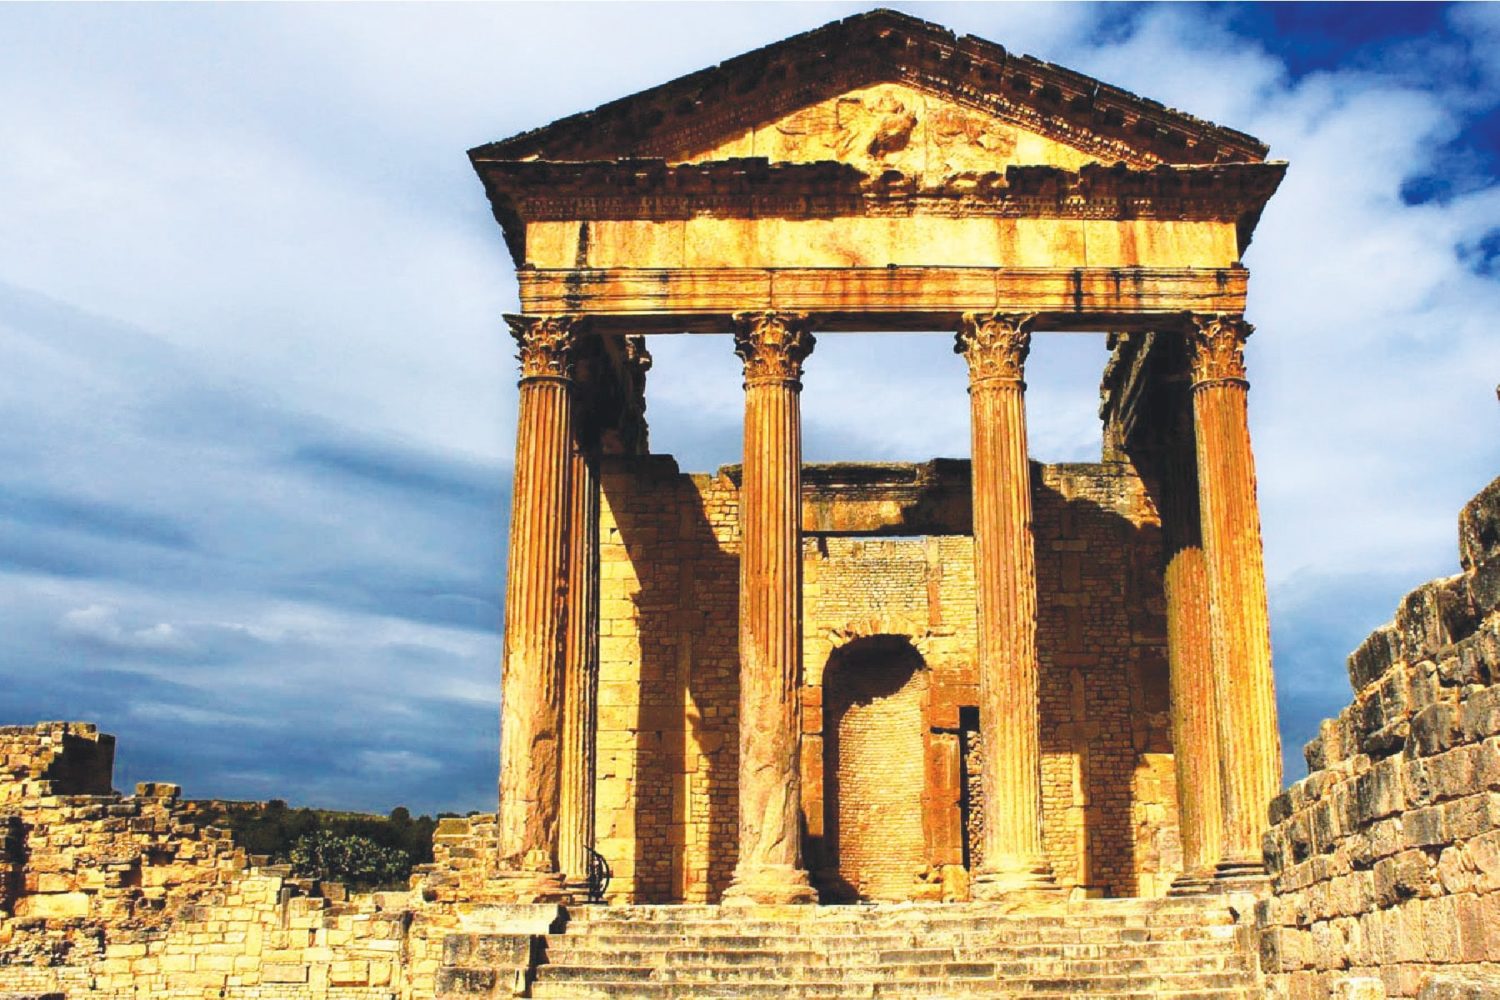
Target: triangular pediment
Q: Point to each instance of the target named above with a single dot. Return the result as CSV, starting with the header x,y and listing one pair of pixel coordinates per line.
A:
x,y
895,126
878,90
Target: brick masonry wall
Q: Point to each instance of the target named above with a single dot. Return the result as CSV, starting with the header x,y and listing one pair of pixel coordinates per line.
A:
x,y
1386,856
874,566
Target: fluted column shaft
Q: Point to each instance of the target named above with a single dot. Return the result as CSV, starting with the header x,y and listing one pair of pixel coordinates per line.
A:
x,y
1195,733
769,868
531,675
580,671
995,346
1244,689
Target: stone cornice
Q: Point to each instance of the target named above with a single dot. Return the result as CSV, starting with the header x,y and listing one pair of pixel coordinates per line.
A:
x,y
654,189
695,111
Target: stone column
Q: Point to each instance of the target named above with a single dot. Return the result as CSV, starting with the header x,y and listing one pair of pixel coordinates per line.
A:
x,y
1195,734
995,346
580,671
531,713
769,869
1244,690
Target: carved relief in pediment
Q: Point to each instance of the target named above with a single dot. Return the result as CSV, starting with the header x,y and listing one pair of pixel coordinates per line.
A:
x,y
875,126
896,127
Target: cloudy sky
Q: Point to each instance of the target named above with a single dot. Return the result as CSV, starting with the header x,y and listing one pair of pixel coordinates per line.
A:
x,y
257,399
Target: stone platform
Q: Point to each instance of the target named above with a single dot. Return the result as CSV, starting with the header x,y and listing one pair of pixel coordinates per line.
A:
x,y
1128,948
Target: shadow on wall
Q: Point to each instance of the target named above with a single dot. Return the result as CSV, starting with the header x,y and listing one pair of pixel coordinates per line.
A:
x,y
1101,643
668,790
686,756
874,712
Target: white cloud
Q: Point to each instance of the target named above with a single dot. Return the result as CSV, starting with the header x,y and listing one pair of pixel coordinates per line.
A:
x,y
100,623
250,302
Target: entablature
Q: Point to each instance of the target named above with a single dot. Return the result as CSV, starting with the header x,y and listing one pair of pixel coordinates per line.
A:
x,y
525,194
688,300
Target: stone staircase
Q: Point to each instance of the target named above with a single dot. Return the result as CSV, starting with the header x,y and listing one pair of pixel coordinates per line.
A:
x,y
1135,949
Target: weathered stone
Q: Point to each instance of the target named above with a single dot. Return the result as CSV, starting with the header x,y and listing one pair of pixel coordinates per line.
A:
x,y
1374,657
1479,528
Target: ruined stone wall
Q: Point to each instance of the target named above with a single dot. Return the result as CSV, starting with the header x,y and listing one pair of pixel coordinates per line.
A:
x,y
886,552
74,757
1386,856
113,896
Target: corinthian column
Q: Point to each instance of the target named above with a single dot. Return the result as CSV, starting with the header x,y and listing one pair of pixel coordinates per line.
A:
x,y
995,346
1244,691
580,671
769,869
1195,733
531,677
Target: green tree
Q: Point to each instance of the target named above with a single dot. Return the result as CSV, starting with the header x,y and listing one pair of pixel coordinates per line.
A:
x,y
350,858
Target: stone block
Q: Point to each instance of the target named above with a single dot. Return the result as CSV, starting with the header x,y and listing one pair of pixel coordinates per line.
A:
x,y
284,972
1421,623
1375,656
349,973
1461,986
1379,792
1357,988
1479,714
1483,584
1479,527
54,906
1434,729
157,790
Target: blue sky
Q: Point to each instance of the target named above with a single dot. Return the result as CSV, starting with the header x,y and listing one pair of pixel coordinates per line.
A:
x,y
258,401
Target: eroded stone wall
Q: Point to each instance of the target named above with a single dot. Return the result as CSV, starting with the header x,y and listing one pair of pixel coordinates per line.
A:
x,y
129,896
1387,855
887,552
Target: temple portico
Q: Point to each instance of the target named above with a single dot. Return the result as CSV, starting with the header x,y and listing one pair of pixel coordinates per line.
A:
x,y
705,766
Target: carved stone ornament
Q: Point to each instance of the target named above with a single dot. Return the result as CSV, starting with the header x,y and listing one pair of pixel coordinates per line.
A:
x,y
636,356
546,344
1218,347
995,345
870,127
773,345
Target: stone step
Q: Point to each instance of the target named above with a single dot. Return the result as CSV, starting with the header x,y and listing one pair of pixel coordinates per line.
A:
x,y
867,944
770,929
840,990
816,919
587,954
949,971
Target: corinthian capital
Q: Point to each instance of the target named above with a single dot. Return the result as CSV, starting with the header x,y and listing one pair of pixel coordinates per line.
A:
x,y
1218,347
773,345
995,345
546,344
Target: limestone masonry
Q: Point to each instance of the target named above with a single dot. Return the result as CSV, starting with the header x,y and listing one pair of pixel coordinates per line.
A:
x,y
954,728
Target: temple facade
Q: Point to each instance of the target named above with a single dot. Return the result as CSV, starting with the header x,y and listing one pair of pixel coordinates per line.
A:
x,y
982,679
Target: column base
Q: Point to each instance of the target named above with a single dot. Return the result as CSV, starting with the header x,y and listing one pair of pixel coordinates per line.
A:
x,y
1193,883
1030,880
769,885
1241,875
